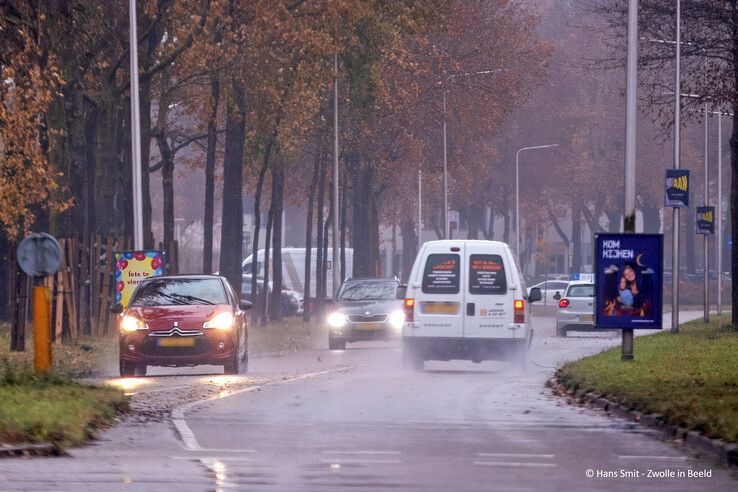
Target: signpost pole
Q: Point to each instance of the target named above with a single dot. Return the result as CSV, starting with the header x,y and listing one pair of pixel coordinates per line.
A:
x,y
630,145
719,242
41,327
705,242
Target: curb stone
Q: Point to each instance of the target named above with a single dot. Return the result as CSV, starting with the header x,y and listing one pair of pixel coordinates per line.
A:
x,y
722,451
24,450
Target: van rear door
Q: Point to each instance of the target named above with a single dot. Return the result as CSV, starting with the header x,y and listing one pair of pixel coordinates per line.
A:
x,y
489,296
440,296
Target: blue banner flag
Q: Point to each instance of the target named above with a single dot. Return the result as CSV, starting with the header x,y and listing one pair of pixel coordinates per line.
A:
x,y
676,188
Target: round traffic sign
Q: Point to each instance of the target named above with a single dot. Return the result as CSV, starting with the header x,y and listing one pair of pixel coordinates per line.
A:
x,y
39,255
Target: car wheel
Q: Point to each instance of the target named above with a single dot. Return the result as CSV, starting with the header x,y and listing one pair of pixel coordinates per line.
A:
x,y
336,343
127,369
141,370
245,362
234,366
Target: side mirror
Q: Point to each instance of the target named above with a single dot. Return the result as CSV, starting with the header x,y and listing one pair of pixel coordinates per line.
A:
x,y
116,308
535,295
401,291
557,295
245,305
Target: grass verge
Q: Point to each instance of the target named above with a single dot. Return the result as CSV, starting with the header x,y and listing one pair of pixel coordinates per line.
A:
x,y
83,357
691,378
287,335
54,409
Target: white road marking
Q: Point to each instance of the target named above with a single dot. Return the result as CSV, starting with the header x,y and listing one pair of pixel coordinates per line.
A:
x,y
634,457
178,415
221,458
364,452
360,461
515,455
514,464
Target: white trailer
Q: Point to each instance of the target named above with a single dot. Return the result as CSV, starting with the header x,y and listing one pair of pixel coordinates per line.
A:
x,y
293,268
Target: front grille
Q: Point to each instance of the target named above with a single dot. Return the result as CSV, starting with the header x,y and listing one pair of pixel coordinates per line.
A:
x,y
176,331
150,347
359,318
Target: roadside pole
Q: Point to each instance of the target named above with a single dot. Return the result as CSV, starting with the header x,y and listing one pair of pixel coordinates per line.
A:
x,y
420,206
335,257
705,242
719,242
677,154
630,145
138,242
39,255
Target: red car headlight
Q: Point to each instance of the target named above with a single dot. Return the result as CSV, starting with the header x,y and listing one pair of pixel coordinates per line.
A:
x,y
221,321
131,323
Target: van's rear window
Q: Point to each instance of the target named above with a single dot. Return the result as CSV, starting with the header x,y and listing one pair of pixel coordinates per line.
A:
x,y
487,275
441,274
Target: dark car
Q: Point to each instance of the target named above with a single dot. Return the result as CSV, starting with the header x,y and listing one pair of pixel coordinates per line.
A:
x,y
184,320
366,309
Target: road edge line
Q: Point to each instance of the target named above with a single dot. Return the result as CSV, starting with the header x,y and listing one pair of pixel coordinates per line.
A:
x,y
189,441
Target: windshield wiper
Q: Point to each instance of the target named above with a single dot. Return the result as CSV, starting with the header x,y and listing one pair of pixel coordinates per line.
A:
x,y
191,298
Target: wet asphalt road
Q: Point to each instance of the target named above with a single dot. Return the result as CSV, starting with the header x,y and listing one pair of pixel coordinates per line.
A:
x,y
354,420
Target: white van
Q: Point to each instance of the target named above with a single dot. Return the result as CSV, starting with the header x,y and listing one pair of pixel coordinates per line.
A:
x,y
466,300
293,268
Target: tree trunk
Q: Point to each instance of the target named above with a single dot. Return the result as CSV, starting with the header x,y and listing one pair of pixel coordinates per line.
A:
x,y
506,222
409,246
207,247
365,238
231,241
264,300
343,223
278,200
89,178
257,231
6,282
167,175
326,245
576,238
309,239
319,267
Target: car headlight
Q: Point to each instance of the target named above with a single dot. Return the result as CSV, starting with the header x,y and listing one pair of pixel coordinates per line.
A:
x,y
221,321
397,319
131,323
336,320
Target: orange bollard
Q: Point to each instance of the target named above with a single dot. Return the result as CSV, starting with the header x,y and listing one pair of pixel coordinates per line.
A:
x,y
41,329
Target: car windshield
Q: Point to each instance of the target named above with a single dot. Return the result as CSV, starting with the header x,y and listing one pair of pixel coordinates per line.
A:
x,y
368,291
179,291
581,291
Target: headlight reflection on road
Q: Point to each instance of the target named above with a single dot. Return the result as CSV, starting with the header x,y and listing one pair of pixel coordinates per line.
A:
x,y
219,470
221,380
128,385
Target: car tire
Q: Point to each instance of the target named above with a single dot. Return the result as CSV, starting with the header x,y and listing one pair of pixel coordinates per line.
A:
x,y
234,366
336,343
126,369
245,363
141,370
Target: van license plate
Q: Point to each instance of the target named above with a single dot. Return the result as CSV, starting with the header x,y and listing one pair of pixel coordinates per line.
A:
x,y
440,307
368,326
586,317
177,342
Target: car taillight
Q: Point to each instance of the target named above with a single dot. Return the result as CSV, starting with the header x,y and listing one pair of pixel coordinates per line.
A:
x,y
409,309
519,306
563,303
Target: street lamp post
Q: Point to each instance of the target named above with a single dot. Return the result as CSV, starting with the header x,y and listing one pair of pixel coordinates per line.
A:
x,y
705,242
677,162
517,193
335,257
135,132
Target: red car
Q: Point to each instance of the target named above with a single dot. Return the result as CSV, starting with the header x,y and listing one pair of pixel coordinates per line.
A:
x,y
183,320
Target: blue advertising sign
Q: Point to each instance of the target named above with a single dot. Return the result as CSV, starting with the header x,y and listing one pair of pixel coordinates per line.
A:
x,y
676,188
705,220
628,280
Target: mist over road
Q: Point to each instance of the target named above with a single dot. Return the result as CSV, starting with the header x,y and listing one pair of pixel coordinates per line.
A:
x,y
320,420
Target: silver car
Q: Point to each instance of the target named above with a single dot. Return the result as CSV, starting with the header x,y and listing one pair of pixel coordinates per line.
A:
x,y
576,308
366,309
